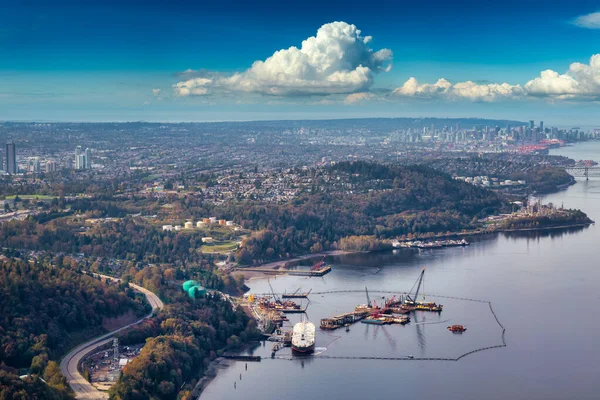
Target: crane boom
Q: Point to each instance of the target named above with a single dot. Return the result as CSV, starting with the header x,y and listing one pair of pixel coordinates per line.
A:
x,y
368,298
273,292
419,285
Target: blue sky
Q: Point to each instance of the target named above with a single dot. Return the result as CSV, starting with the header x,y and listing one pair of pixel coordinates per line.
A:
x,y
101,61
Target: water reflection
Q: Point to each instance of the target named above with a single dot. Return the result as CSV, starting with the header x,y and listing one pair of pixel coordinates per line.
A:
x,y
421,340
551,233
393,343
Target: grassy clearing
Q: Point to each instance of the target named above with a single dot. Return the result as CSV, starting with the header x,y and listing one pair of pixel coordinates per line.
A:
x,y
31,197
225,247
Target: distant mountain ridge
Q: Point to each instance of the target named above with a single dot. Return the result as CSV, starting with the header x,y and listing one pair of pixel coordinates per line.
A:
x,y
365,123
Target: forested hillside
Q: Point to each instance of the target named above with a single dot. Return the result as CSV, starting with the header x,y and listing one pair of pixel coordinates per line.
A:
x,y
46,309
181,340
409,200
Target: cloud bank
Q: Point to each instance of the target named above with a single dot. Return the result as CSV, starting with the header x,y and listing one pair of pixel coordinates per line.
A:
x,y
461,90
338,60
590,21
580,82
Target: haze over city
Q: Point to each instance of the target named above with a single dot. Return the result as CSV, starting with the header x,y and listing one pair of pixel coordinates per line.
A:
x,y
228,200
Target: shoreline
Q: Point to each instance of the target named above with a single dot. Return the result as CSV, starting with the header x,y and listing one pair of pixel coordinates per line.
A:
x,y
479,232
212,370
259,271
209,375
277,268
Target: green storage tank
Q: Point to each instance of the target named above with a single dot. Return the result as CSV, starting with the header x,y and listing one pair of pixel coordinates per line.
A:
x,y
188,285
196,291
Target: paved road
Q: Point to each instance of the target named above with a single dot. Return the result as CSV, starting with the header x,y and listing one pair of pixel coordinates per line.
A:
x,y
82,388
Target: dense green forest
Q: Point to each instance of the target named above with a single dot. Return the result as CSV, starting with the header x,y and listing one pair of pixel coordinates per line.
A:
x,y
544,178
33,388
568,217
46,308
124,239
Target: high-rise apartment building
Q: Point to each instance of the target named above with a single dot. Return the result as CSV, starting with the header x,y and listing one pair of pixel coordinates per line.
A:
x,y
11,158
80,161
88,158
79,158
50,166
83,160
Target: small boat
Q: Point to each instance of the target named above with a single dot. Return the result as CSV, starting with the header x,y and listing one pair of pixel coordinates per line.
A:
x,y
457,328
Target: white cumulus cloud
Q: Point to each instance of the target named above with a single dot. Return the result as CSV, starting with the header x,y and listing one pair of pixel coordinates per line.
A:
x,y
156,92
590,21
353,98
461,90
581,81
338,60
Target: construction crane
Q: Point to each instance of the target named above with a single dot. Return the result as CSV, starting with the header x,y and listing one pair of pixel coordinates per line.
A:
x,y
389,302
418,283
275,298
318,265
368,298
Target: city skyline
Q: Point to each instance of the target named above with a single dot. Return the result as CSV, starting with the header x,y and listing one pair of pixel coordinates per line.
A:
x,y
119,62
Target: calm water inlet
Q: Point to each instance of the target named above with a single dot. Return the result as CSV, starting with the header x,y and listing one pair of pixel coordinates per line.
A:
x,y
543,287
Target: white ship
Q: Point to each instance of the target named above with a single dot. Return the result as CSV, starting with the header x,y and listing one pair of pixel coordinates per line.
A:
x,y
303,337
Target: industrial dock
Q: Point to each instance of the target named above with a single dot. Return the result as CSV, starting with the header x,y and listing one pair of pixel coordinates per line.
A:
x,y
435,244
392,311
270,311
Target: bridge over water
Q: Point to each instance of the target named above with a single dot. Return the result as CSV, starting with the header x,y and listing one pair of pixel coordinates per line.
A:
x,y
584,172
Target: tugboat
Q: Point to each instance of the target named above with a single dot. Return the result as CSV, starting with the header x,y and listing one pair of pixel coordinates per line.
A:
x,y
457,328
303,337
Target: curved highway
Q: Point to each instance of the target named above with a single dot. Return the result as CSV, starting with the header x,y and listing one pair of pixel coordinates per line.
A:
x,y
82,388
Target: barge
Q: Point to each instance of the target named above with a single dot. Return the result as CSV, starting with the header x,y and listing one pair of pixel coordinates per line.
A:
x,y
386,320
436,244
411,303
341,320
296,295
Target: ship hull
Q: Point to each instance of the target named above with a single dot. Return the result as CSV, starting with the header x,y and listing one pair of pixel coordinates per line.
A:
x,y
303,337
303,350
